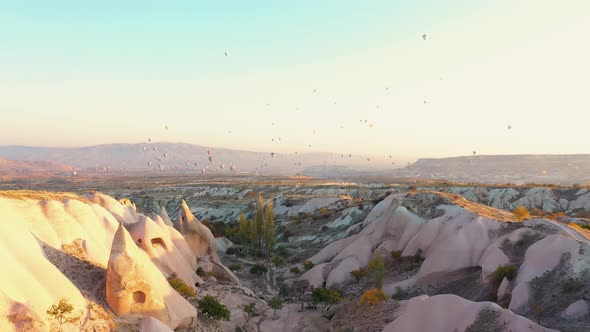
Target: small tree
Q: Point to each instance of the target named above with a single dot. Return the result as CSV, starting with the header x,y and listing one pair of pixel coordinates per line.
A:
x,y
396,254
377,268
504,271
62,313
276,304
538,311
326,297
521,213
259,220
295,270
373,297
243,229
358,274
213,309
249,311
269,229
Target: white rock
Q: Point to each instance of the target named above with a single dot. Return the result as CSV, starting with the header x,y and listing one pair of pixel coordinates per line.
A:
x,y
577,309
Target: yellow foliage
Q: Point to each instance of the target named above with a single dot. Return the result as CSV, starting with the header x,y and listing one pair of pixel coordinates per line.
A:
x,y
182,288
373,297
521,213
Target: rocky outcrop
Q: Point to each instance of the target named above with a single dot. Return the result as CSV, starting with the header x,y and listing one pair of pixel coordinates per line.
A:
x,y
453,313
202,243
577,309
155,241
135,286
150,324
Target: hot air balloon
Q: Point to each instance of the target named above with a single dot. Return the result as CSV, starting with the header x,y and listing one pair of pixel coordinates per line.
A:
x,y
203,171
149,139
474,152
149,163
196,164
210,159
166,127
272,154
509,127
424,36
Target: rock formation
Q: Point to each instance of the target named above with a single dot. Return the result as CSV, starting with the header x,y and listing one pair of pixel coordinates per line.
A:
x,y
135,286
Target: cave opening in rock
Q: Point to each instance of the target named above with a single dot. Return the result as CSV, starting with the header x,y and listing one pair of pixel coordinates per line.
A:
x,y
158,241
139,297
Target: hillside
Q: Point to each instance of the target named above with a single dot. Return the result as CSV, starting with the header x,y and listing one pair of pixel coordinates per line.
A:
x,y
32,166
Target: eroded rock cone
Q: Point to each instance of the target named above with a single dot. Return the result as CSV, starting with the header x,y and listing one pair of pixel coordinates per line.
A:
x,y
202,243
134,285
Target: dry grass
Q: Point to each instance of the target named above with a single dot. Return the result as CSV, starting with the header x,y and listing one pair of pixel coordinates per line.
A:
x,y
584,231
483,210
41,195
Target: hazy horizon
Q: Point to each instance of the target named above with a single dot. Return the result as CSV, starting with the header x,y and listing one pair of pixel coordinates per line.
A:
x,y
82,74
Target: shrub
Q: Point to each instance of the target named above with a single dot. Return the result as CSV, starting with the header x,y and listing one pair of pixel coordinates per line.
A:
x,y
419,256
373,297
412,188
276,304
295,270
277,261
571,285
200,272
282,251
213,309
182,288
377,268
62,313
235,267
258,269
325,296
396,254
504,271
521,213
358,274
249,311
307,265
323,211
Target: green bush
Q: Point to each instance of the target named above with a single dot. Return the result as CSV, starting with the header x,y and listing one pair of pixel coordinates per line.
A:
x,y
504,271
200,272
182,288
235,267
258,269
277,261
325,296
295,270
396,254
307,265
358,274
571,285
213,309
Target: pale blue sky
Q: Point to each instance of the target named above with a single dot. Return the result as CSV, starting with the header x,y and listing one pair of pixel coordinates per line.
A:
x,y
81,73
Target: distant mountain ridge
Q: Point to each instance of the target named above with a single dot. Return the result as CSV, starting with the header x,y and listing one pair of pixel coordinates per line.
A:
x,y
548,168
26,166
175,156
